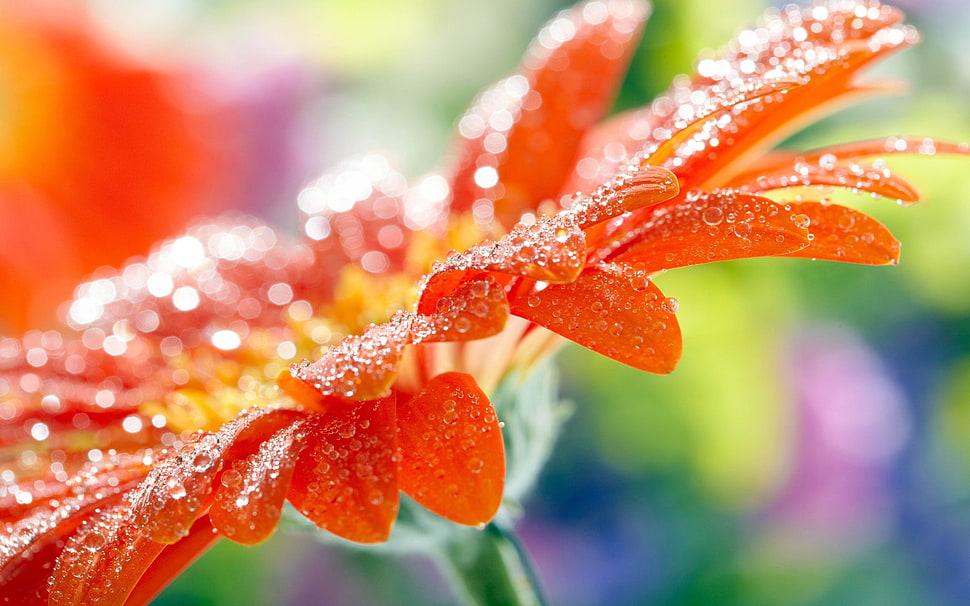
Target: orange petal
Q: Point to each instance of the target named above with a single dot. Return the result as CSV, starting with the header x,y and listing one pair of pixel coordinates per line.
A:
x,y
475,310
176,490
172,561
840,165
373,220
30,546
709,227
249,501
103,561
847,235
551,249
621,315
29,572
361,366
857,176
346,476
525,130
452,455
638,187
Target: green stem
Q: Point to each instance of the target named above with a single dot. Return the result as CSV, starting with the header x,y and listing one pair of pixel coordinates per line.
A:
x,y
491,568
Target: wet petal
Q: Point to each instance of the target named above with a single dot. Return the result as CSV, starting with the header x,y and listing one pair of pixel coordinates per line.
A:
x,y
452,455
346,476
474,310
188,286
361,366
249,500
698,128
846,235
171,497
612,310
635,188
552,249
103,561
873,178
355,214
518,142
172,561
709,227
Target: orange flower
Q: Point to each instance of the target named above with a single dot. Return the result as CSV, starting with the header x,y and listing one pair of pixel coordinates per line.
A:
x,y
97,162
172,415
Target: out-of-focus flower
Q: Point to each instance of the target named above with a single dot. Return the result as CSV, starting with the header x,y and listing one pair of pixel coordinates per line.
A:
x,y
98,160
173,415
852,425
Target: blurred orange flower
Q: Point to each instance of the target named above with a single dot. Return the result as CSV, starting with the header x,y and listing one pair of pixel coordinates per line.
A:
x,y
97,159
172,414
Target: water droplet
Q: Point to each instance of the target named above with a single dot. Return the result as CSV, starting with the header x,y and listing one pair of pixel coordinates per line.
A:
x,y
671,304
712,215
742,229
176,489
202,462
802,221
93,541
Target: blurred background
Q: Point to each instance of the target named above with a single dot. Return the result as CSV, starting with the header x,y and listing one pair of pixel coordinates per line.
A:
x,y
813,446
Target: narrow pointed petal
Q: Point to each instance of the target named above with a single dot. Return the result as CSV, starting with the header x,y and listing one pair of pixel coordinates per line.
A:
x,y
452,455
346,476
699,130
612,310
709,227
846,235
857,176
249,499
636,187
518,142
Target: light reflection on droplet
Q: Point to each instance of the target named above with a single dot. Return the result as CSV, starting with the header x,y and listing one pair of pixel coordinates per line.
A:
x,y
160,284
132,424
185,298
226,340
187,252
39,431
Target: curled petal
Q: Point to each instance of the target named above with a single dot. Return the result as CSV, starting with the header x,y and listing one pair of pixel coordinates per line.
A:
x,y
249,500
552,249
613,310
475,310
709,227
361,366
452,455
846,235
637,187
518,142
345,480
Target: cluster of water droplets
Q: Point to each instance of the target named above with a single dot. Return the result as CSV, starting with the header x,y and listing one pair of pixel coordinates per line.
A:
x,y
516,144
